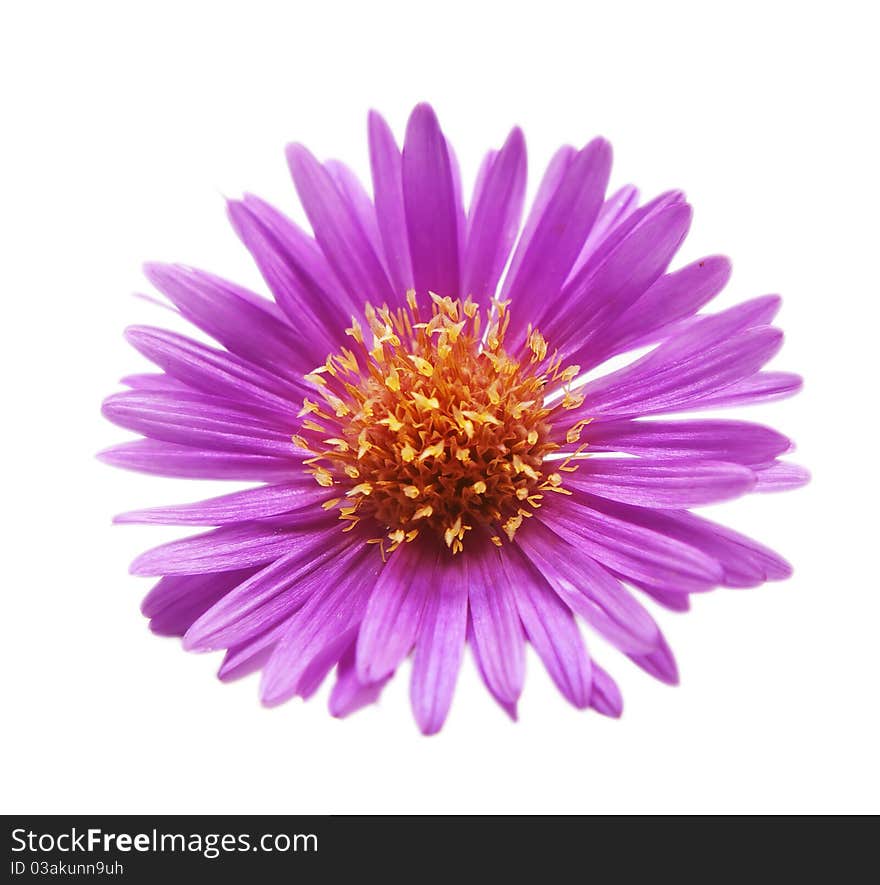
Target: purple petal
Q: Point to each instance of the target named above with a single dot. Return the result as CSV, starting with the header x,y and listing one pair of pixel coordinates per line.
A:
x,y
494,219
176,602
440,644
170,459
589,590
615,209
509,708
497,635
707,330
633,550
623,229
216,372
661,482
673,297
668,598
360,204
761,387
313,560
596,300
458,200
388,194
432,210
338,230
660,663
242,660
196,419
297,274
242,322
606,697
324,622
550,181
395,610
303,254
550,252
248,504
780,476
153,381
715,440
225,549
319,667
349,694
551,629
744,562
479,185
676,375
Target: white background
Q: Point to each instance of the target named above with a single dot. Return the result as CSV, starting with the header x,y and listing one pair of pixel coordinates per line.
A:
x,y
123,127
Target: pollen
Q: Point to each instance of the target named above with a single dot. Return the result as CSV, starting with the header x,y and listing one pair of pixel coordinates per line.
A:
x,y
428,425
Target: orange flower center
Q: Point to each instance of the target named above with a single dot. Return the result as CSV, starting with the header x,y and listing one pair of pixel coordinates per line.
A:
x,y
432,426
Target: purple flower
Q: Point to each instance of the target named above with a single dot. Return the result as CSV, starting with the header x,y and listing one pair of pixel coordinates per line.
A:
x,y
432,470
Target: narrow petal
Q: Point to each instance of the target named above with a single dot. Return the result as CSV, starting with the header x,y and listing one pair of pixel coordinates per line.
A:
x,y
479,185
488,681
338,230
606,697
224,549
744,562
780,476
248,504
669,599
550,182
551,629
661,482
615,209
458,202
319,667
295,271
176,602
674,297
247,658
497,634
349,694
675,375
706,330
559,235
494,219
432,213
440,644
659,663
360,204
388,195
169,459
196,419
395,610
589,590
153,381
596,527
312,560
241,321
217,372
596,300
762,387
322,625
717,440
623,229
301,251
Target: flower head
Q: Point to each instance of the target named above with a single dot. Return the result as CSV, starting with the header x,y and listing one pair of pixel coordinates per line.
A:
x,y
434,467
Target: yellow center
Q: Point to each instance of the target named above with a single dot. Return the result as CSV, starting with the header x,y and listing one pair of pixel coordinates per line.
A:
x,y
434,427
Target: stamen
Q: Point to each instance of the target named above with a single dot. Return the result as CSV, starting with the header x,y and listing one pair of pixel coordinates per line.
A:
x,y
431,424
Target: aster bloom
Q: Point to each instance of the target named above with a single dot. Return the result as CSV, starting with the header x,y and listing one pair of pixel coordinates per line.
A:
x,y
434,469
